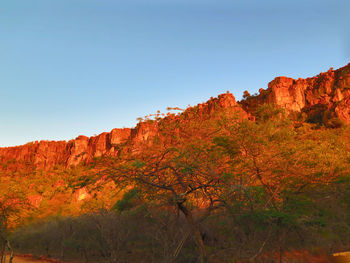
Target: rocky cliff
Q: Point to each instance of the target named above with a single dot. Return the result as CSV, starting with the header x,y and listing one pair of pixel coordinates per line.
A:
x,y
326,95
82,149
328,92
47,154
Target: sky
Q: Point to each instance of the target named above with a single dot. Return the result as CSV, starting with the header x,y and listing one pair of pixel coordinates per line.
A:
x,y
71,67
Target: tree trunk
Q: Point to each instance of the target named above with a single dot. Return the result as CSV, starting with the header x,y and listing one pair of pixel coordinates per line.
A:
x,y
178,248
2,252
11,250
114,256
280,247
62,250
196,232
85,255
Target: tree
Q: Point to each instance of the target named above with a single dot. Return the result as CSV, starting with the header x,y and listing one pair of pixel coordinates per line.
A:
x,y
198,163
273,163
13,206
246,94
179,168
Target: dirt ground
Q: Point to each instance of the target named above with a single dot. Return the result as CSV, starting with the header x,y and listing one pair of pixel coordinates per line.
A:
x,y
26,260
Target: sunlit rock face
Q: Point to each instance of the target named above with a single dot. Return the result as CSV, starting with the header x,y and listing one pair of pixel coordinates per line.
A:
x,y
78,150
144,131
40,154
223,101
330,89
119,136
287,93
47,154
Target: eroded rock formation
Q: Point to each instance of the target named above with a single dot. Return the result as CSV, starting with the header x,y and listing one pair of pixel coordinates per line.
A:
x,y
329,91
47,154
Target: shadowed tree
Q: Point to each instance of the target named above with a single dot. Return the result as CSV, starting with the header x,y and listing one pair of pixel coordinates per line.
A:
x,y
13,207
180,167
273,162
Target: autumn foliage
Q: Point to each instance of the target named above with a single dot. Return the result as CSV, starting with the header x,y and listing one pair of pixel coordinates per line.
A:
x,y
210,184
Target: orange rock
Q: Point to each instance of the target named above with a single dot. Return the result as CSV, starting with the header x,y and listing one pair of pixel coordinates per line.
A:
x,y
330,89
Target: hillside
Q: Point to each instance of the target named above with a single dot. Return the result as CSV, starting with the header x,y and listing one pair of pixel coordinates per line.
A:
x,y
326,93
324,98
222,180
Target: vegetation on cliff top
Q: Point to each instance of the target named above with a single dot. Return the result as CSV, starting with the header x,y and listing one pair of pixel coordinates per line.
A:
x,y
208,188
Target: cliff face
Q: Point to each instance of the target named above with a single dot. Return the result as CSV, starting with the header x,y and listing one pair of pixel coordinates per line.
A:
x,y
329,90
47,154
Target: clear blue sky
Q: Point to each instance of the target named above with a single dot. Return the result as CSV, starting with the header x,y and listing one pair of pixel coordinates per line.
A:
x,y
70,67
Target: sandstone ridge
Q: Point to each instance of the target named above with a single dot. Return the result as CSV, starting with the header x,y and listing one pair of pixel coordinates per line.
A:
x,y
327,92
47,154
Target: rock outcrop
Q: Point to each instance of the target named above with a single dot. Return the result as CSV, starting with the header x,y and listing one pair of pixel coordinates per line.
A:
x,y
329,91
47,154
